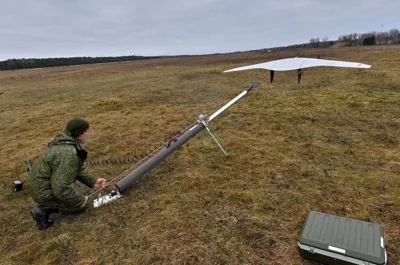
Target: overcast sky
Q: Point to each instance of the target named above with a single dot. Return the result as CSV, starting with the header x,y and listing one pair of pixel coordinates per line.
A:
x,y
65,28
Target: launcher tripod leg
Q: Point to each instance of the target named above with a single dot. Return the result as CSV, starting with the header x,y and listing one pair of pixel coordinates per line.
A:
x,y
214,138
203,143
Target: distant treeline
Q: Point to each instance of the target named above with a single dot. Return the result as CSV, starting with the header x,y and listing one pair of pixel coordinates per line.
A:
x,y
355,39
14,64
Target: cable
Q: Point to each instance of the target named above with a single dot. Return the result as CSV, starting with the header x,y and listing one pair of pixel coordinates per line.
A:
x,y
131,169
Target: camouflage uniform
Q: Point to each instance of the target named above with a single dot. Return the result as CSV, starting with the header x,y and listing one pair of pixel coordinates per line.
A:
x,y
53,177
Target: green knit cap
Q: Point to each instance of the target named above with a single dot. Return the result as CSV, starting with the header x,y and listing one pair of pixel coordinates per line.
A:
x,y
77,126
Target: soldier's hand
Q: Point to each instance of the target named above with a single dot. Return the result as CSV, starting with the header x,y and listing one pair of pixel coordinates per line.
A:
x,y
100,183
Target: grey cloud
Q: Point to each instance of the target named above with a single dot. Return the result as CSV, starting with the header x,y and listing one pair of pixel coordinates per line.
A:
x,y
52,28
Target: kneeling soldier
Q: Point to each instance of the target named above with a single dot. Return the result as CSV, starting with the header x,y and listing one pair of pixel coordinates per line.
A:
x,y
53,177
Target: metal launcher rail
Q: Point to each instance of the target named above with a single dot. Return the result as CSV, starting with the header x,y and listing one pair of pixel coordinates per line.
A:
x,y
153,159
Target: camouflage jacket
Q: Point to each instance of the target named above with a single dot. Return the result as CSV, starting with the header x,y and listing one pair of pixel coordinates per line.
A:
x,y
53,176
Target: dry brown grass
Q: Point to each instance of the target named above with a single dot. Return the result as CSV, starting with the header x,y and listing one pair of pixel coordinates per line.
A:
x,y
330,144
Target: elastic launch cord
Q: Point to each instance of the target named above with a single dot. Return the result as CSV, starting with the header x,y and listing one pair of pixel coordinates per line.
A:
x,y
129,170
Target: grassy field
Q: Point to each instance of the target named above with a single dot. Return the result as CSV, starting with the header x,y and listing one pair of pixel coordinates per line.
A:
x,y
330,144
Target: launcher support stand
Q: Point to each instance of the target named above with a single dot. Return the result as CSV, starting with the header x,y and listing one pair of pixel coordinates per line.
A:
x,y
203,118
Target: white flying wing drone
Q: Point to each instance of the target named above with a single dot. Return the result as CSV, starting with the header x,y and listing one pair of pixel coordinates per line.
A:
x,y
298,64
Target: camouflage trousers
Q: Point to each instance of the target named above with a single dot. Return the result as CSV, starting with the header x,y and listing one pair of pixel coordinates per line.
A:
x,y
68,209
65,209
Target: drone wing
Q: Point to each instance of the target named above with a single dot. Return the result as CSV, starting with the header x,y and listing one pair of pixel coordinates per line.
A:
x,y
299,63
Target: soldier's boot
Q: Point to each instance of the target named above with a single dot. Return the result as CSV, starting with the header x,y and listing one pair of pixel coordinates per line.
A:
x,y
41,214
